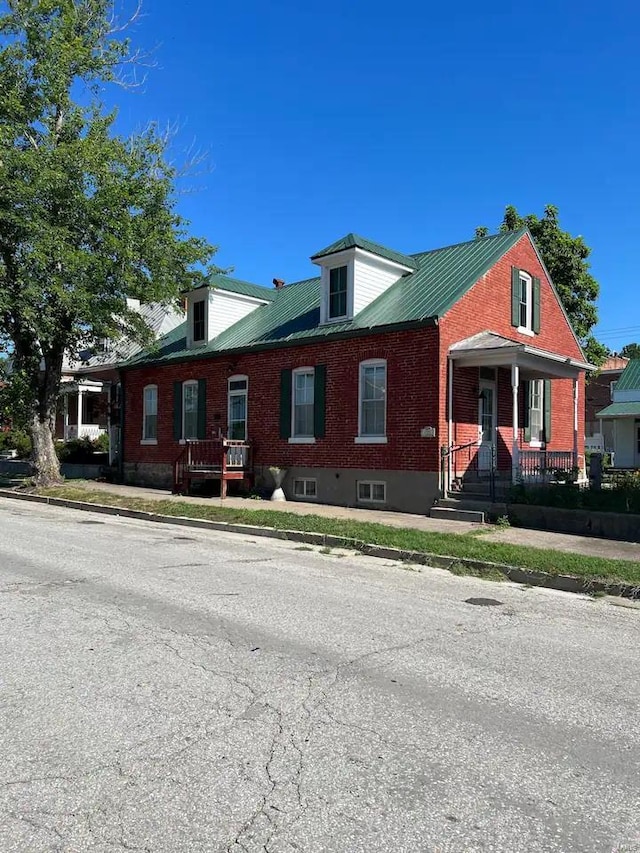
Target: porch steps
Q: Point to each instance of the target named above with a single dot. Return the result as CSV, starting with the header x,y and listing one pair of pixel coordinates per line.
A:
x,y
477,508
455,514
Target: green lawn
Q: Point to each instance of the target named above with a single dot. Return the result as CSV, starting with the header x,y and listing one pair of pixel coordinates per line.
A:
x,y
447,544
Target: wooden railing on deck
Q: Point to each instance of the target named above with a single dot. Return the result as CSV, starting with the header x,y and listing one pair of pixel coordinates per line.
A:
x,y
212,459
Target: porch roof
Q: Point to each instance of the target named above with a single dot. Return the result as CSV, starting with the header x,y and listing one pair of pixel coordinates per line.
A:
x,y
493,350
620,410
94,386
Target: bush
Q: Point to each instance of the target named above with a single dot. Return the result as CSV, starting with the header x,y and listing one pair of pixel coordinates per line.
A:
x,y
624,496
81,451
18,440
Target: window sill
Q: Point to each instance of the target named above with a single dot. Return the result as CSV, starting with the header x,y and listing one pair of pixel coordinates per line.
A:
x,y
149,441
329,320
537,445
370,439
302,439
524,331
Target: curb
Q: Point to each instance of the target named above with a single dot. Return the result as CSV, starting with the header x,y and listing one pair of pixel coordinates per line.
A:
x,y
565,583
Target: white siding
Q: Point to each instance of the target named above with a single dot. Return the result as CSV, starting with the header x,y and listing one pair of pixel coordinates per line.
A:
x,y
226,308
372,276
624,441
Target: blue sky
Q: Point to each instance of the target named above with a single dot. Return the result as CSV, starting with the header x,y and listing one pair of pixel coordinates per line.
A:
x,y
409,123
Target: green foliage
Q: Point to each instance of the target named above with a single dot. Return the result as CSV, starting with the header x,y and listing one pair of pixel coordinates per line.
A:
x,y
623,496
630,351
82,450
87,217
18,440
566,258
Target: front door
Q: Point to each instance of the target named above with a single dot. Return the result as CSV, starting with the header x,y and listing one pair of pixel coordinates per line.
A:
x,y
487,418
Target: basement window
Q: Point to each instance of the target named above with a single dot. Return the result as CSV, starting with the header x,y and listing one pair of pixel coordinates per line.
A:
x,y
305,488
370,491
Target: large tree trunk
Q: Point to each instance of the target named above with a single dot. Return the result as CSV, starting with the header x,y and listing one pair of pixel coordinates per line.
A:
x,y
43,422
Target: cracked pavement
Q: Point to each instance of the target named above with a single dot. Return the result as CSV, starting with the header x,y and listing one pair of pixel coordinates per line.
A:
x,y
213,692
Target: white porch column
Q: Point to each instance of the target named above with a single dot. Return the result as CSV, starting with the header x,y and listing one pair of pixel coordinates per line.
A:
x,y
450,417
515,450
79,418
575,421
65,403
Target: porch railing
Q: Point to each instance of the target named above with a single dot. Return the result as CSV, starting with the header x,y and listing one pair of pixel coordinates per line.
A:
x,y
92,431
544,466
217,458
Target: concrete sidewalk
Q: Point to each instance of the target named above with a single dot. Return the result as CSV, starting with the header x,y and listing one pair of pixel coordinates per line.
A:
x,y
514,535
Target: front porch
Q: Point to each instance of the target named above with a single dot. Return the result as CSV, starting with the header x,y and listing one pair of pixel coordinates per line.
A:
x,y
502,426
218,458
85,410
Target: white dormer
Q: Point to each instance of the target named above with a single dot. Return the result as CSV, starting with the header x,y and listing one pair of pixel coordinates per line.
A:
x,y
356,271
217,306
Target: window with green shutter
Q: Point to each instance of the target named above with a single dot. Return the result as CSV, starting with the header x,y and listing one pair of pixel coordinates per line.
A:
x,y
285,403
525,301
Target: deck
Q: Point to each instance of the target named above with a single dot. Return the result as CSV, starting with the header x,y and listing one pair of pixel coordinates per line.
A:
x,y
221,459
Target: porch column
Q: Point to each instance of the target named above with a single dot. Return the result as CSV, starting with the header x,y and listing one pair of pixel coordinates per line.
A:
x,y
450,418
65,429
575,421
79,419
515,450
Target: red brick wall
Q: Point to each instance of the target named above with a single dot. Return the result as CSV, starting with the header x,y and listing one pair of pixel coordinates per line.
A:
x,y
412,382
487,306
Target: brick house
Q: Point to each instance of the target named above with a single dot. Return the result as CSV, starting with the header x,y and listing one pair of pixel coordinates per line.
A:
x,y
386,380
599,393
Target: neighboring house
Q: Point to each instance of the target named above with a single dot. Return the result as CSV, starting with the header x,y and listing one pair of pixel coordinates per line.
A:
x,y
599,393
380,382
622,416
90,390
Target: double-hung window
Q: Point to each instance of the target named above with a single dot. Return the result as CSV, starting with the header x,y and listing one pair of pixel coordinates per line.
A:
x,y
303,402
373,402
150,414
337,293
536,411
198,321
237,417
525,302
190,409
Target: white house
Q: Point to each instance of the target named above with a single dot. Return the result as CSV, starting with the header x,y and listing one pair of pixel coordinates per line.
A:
x,y
624,414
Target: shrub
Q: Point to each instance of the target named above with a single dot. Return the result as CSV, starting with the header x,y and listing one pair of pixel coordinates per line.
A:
x,y
624,496
18,440
82,450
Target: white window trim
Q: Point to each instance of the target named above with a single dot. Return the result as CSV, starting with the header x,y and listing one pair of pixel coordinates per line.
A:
x,y
184,439
528,328
300,439
371,483
305,496
144,439
537,442
238,377
339,261
371,439
205,301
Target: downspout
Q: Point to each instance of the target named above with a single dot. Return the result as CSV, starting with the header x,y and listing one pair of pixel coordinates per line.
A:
x,y
450,419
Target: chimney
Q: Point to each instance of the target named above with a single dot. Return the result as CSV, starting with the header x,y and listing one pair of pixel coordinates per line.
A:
x,y
278,283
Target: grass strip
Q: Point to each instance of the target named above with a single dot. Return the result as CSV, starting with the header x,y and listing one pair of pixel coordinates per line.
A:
x,y
465,546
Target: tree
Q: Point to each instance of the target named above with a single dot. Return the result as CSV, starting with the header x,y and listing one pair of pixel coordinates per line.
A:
x,y
566,258
87,217
630,351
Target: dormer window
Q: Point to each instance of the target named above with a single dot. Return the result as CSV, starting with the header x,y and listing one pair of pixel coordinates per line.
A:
x,y
337,293
198,320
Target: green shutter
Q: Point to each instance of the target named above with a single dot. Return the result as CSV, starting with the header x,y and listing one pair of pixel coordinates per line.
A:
x,y
202,409
285,404
515,296
177,411
547,410
536,305
526,410
319,395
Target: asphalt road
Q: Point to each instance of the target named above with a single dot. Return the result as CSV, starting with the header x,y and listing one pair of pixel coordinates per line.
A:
x,y
170,690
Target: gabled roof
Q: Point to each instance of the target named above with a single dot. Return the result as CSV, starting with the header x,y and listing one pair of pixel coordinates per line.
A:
x,y
630,379
235,285
353,241
441,278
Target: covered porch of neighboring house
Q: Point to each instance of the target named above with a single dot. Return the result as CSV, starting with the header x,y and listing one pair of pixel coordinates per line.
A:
x,y
84,410
624,418
505,426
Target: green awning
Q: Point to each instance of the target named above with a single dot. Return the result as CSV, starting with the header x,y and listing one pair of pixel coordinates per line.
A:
x,y
620,410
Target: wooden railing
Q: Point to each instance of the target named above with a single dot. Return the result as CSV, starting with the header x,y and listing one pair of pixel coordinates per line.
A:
x,y
213,459
546,465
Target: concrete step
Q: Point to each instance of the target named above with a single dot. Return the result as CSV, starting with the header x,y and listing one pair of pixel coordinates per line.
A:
x,y
456,514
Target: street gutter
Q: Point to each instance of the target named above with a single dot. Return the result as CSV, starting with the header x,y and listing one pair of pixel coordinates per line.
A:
x,y
565,583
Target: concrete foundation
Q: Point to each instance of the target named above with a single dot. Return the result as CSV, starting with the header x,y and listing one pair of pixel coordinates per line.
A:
x,y
153,474
406,491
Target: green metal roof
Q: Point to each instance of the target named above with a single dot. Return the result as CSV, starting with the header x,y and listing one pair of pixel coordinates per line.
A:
x,y
352,241
235,285
630,379
442,277
620,410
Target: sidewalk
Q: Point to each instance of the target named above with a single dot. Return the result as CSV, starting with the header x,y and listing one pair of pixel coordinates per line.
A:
x,y
513,535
